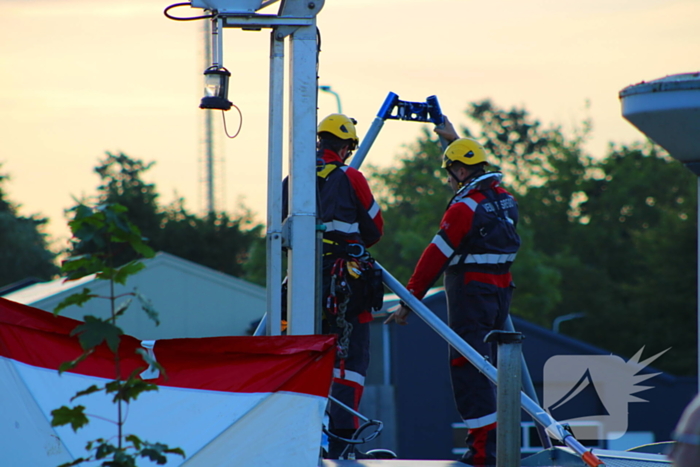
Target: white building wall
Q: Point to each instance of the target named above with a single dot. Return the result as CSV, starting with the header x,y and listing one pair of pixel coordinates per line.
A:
x,y
191,300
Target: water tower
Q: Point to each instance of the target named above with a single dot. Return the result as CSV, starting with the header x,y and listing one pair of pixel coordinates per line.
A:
x,y
667,110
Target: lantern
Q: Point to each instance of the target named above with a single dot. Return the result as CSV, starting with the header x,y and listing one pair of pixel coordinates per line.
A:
x,y
216,88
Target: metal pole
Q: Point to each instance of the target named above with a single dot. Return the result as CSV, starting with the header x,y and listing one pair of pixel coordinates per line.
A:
x,y
301,298
208,126
508,391
529,389
560,319
274,189
386,356
217,41
337,96
374,130
554,428
367,141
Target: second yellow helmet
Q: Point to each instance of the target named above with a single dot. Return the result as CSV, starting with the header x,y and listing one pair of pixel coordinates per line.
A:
x,y
464,150
341,127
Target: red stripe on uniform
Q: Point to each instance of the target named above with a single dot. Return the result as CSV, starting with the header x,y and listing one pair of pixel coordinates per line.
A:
x,y
459,361
499,280
479,444
358,389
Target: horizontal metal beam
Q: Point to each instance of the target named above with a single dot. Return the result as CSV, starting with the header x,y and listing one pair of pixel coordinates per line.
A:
x,y
264,21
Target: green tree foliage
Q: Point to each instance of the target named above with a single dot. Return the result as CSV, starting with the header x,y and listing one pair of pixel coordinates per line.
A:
x,y
639,236
413,195
613,237
105,230
121,182
215,240
24,251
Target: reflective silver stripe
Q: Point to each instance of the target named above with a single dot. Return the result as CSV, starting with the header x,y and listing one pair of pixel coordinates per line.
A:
x,y
353,376
471,203
442,245
340,226
487,258
373,210
481,421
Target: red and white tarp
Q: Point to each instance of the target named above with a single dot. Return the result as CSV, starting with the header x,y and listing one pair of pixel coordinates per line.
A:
x,y
227,401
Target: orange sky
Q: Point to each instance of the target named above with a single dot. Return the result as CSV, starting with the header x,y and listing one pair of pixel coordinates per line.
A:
x,y
78,78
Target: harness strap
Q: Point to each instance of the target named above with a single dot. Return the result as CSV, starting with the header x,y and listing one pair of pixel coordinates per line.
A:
x,y
353,250
324,170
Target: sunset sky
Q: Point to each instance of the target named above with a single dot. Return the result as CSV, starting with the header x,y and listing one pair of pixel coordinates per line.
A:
x,y
79,77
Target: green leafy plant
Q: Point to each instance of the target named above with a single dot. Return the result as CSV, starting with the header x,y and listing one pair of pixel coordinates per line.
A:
x,y
107,233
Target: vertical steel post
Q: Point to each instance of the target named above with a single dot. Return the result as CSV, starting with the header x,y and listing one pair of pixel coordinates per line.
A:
x,y
217,41
508,397
274,186
208,125
301,304
529,389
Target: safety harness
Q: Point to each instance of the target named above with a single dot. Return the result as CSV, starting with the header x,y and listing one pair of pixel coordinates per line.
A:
x,y
494,243
352,261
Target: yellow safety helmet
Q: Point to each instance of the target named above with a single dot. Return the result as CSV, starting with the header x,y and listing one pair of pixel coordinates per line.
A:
x,y
464,150
340,126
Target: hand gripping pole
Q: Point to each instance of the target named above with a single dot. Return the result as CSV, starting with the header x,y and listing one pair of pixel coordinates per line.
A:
x,y
554,428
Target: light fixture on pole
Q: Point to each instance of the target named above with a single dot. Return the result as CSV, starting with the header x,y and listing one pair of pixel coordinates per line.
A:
x,y
328,89
216,88
216,76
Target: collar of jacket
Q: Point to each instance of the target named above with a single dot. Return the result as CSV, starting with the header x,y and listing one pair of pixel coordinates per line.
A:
x,y
480,183
330,156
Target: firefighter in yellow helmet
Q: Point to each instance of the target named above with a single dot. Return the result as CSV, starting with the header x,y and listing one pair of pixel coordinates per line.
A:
x,y
475,247
353,223
469,155
339,127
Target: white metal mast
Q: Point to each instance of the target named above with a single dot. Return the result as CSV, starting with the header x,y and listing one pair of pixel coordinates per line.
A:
x,y
295,23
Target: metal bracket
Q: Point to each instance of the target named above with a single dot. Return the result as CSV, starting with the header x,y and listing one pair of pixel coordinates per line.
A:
x,y
293,14
257,22
287,233
396,109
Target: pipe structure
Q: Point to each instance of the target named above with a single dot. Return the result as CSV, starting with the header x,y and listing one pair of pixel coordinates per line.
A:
x,y
508,404
374,130
560,319
326,88
554,428
529,389
272,327
301,265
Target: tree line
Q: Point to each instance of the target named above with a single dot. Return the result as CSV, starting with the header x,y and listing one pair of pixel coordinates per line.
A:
x,y
611,237
218,240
